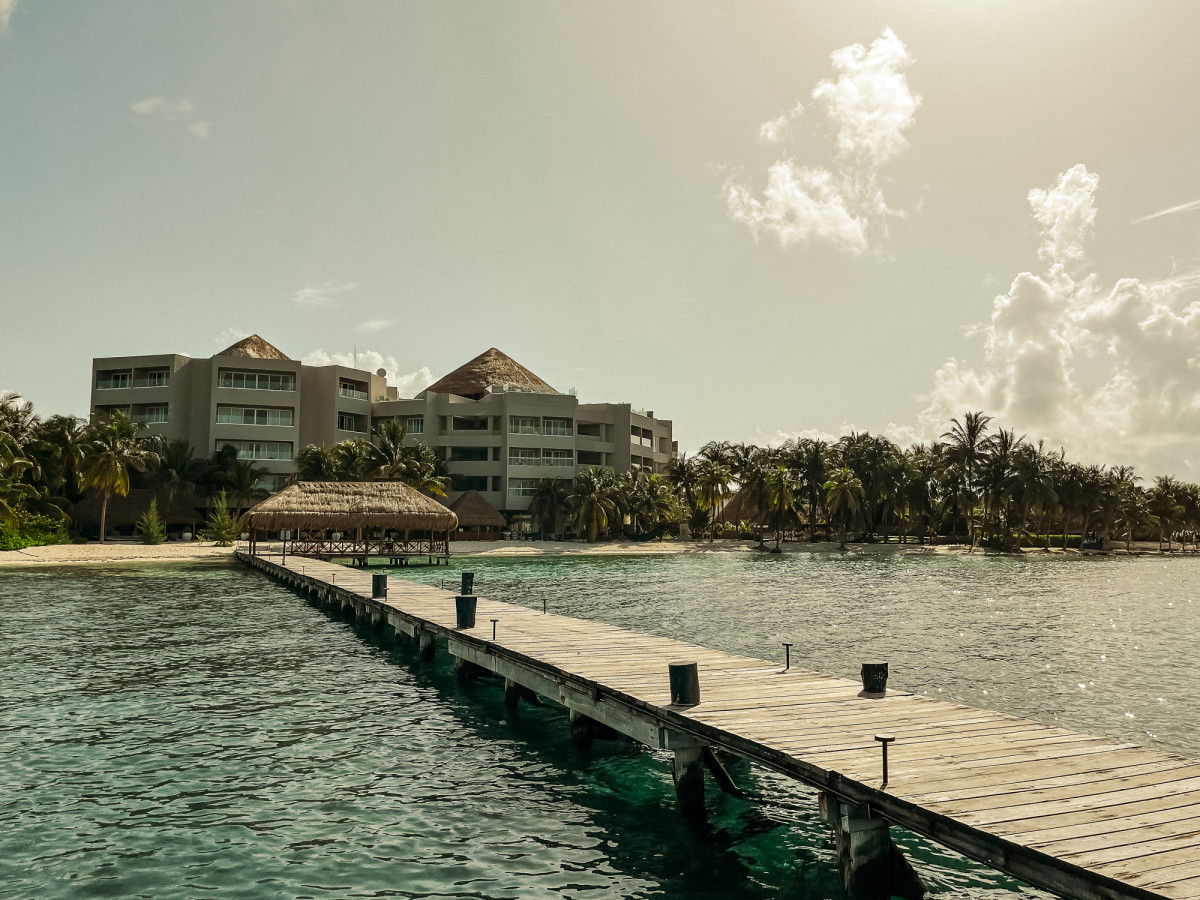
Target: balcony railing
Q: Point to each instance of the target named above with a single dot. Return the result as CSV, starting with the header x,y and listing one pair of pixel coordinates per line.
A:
x,y
524,429
112,384
524,460
148,419
353,394
151,382
557,461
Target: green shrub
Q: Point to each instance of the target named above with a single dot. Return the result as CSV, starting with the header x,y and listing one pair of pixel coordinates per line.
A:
x,y
32,531
222,526
150,526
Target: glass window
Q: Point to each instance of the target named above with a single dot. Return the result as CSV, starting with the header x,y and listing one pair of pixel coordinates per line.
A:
x,y
559,427
259,449
522,487
522,425
250,415
416,425
256,381
521,456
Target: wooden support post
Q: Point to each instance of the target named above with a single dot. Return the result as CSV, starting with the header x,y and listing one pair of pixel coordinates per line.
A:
x,y
688,769
581,728
512,693
873,868
425,642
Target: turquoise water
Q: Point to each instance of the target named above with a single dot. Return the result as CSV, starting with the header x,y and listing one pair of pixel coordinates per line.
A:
x,y
180,731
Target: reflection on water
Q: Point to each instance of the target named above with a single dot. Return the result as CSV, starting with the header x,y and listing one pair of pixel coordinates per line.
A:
x,y
176,731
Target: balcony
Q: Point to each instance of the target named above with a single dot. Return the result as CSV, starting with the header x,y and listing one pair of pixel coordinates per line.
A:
x,y
152,382
149,418
112,384
352,393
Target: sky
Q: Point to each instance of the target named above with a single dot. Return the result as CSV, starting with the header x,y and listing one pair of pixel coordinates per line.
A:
x,y
758,220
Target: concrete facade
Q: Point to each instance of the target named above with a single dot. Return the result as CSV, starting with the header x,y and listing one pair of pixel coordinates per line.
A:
x,y
501,442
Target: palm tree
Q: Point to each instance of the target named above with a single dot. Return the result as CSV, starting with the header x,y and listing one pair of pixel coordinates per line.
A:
x,y
965,442
591,505
843,499
317,462
243,483
549,502
112,449
14,491
17,418
391,455
356,460
712,487
1165,507
179,471
810,459
781,488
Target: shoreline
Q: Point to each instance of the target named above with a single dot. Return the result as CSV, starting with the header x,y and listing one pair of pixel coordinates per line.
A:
x,y
130,552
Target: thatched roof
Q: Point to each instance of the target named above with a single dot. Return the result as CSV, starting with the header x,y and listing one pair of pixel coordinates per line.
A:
x,y
474,511
253,347
344,505
487,370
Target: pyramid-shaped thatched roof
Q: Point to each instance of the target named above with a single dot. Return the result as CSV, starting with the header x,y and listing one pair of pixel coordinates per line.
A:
x,y
253,347
344,505
474,511
487,370
740,509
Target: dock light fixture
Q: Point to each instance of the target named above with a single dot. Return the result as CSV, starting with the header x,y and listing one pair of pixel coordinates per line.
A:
x,y
494,621
787,656
543,606
884,740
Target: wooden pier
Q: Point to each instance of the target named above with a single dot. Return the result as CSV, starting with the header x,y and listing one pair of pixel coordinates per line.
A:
x,y
1080,816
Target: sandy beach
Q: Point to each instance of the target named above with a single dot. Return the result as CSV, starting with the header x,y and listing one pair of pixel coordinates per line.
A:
x,y
122,552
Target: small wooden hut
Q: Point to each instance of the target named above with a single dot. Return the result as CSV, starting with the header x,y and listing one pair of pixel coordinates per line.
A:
x,y
355,520
478,520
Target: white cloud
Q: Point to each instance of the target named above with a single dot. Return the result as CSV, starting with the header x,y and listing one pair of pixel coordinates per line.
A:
x,y
375,325
147,106
1110,373
774,130
870,106
7,8
230,336
409,384
324,294
164,110
1183,207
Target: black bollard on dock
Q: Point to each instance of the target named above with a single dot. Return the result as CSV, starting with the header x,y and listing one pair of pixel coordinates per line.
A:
x,y
685,683
379,585
468,583
464,607
874,679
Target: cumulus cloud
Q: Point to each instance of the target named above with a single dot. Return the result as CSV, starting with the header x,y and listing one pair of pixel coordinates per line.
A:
x,y
1110,372
409,384
7,8
161,109
869,106
230,336
324,294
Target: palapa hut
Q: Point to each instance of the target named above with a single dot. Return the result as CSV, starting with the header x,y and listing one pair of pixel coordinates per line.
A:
x,y
369,518
478,520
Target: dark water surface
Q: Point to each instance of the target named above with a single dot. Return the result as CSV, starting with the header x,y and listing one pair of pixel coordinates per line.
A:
x,y
194,730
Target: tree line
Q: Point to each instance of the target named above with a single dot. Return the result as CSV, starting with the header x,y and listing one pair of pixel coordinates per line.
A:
x,y
977,485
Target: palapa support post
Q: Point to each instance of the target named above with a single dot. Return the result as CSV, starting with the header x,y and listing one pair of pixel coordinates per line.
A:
x,y
872,867
685,683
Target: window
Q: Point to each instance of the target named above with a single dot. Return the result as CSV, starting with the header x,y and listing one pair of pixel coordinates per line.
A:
x,y
259,449
257,381
348,422
108,381
522,487
352,390
272,483
558,458
557,427
520,456
158,378
155,415
416,424
522,425
254,415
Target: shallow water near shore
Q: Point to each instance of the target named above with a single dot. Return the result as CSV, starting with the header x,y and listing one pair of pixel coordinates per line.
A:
x,y
183,730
